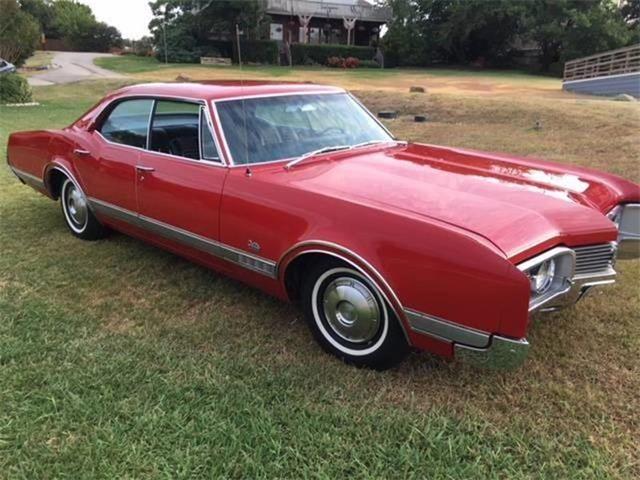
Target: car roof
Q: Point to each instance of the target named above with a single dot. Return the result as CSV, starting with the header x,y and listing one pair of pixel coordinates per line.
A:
x,y
221,90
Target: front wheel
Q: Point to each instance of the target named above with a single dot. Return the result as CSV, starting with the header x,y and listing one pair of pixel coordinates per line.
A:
x,y
77,214
349,317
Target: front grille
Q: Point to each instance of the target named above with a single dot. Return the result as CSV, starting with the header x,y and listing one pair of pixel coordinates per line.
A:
x,y
595,258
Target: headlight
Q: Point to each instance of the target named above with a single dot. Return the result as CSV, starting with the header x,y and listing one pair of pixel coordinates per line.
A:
x,y
549,275
541,277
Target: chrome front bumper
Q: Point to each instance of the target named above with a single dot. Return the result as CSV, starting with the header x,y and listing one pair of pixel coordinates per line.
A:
x,y
471,346
487,350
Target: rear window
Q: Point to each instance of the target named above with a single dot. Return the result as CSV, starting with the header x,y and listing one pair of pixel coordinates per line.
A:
x,y
128,123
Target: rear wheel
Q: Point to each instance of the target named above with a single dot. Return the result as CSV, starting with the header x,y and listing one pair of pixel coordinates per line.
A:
x,y
350,318
77,214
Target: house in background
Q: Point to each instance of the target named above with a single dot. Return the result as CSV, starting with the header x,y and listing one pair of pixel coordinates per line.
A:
x,y
348,22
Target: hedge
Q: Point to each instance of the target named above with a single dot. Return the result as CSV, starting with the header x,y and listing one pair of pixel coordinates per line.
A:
x,y
14,89
304,53
257,51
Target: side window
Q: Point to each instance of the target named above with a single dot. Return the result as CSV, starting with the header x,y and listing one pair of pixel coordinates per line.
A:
x,y
209,150
128,123
175,129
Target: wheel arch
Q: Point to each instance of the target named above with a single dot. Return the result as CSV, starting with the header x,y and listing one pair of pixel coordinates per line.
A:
x,y
292,263
54,176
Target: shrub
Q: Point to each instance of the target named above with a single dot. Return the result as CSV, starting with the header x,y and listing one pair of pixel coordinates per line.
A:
x,y
369,64
335,62
14,89
257,51
303,53
351,62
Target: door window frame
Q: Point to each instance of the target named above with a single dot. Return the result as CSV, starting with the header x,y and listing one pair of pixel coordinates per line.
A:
x,y
104,115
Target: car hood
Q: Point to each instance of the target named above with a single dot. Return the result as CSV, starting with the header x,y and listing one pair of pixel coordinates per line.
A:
x,y
519,205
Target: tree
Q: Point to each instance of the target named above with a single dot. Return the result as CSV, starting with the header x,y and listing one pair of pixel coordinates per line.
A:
x,y
191,26
42,11
19,32
567,29
78,26
463,31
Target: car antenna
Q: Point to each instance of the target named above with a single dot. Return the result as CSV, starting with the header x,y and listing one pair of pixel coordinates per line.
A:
x,y
248,172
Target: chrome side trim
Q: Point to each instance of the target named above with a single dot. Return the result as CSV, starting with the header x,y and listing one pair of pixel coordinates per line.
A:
x,y
447,331
251,262
502,354
28,178
315,246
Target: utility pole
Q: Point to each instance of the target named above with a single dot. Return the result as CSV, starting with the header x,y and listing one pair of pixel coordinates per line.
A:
x,y
238,43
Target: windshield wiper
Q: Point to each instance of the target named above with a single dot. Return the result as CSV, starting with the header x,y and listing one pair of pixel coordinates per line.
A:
x,y
313,153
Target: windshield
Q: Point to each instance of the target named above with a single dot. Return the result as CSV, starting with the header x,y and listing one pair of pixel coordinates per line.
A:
x,y
276,128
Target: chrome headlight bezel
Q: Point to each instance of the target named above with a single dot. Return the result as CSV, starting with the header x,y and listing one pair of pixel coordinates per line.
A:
x,y
626,218
559,267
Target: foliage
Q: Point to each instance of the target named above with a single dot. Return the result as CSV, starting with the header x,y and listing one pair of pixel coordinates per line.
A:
x,y
19,32
78,26
14,89
189,33
339,62
143,47
567,29
42,11
424,32
257,51
304,53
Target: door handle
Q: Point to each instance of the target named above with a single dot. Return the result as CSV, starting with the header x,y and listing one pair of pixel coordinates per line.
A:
x,y
80,152
141,168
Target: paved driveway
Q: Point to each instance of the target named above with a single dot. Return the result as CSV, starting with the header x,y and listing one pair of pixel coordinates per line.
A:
x,y
73,67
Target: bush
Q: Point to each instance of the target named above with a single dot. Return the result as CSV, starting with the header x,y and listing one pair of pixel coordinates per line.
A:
x,y
335,62
14,89
369,64
305,54
257,51
351,62
19,33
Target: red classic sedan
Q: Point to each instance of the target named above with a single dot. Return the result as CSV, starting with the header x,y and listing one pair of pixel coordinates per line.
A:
x,y
298,190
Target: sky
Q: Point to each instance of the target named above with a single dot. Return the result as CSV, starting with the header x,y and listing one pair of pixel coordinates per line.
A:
x,y
131,17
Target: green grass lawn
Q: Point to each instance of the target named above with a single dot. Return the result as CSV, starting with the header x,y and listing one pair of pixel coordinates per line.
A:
x,y
142,67
119,360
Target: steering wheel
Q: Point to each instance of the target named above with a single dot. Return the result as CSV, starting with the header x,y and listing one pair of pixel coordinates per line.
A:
x,y
337,130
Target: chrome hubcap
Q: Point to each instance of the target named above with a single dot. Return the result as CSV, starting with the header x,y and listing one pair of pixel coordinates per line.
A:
x,y
351,309
76,205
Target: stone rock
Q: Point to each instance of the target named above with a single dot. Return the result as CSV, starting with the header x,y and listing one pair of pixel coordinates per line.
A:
x,y
420,118
389,114
183,78
416,89
623,97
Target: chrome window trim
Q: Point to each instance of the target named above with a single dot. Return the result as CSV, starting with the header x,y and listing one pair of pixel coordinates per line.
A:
x,y
232,163
222,163
209,125
218,249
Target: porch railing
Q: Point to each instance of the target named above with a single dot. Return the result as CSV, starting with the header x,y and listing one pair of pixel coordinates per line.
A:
x,y
613,62
358,9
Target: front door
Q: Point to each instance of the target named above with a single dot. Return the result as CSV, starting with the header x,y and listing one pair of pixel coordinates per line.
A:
x,y
181,176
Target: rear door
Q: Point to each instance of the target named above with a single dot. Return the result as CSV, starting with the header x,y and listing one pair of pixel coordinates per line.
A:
x,y
107,160
180,178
